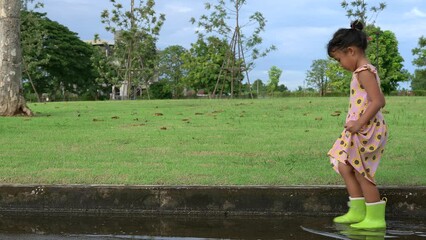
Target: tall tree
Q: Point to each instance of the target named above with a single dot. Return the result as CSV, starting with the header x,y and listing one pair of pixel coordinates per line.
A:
x,y
203,62
61,64
317,76
136,32
419,79
11,100
274,79
339,78
171,68
383,52
383,45
225,20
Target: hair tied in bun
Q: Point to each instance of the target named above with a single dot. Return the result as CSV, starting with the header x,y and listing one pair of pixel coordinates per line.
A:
x,y
357,25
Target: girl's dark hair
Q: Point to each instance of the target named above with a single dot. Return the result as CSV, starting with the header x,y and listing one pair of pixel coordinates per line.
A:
x,y
347,37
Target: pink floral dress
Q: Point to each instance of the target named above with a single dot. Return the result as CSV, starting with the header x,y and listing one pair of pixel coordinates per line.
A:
x,y
364,149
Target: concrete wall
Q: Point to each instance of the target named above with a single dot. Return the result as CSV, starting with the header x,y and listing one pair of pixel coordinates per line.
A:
x,y
199,200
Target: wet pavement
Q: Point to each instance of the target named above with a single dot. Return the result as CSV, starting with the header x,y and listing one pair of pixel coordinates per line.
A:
x,y
169,227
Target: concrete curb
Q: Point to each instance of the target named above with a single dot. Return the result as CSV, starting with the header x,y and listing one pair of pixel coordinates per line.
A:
x,y
198,200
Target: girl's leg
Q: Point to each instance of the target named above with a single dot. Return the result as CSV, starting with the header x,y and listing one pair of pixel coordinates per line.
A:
x,y
375,209
351,181
371,193
356,212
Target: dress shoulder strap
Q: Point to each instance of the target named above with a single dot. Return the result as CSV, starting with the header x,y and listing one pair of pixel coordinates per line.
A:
x,y
370,68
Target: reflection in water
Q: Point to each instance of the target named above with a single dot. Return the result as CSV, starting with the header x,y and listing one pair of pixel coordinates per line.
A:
x,y
167,227
378,234
407,229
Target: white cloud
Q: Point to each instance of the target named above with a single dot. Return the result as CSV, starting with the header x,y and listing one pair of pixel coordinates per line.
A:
x,y
407,32
302,40
415,12
178,9
183,37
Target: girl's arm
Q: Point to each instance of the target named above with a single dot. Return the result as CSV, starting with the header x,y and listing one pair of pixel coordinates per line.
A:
x,y
375,98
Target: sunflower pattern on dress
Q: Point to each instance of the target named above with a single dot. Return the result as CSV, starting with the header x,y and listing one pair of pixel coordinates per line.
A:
x,y
362,150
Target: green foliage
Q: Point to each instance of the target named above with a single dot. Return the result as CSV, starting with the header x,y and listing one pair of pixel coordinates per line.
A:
x,y
420,53
339,78
274,79
161,90
69,64
358,10
224,21
317,76
32,35
55,58
104,70
383,52
171,69
259,88
203,62
136,33
218,22
26,4
282,88
419,79
419,93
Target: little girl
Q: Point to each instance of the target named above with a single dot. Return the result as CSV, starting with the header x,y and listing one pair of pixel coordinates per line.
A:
x,y
357,152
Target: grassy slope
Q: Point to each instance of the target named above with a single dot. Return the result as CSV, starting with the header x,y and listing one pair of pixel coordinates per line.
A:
x,y
219,142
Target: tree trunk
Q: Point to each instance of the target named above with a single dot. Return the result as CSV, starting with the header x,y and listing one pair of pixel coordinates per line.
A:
x,y
11,100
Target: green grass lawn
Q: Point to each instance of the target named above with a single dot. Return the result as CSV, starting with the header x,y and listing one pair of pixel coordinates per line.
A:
x,y
200,142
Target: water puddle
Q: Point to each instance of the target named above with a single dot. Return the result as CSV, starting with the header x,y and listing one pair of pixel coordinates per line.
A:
x,y
170,228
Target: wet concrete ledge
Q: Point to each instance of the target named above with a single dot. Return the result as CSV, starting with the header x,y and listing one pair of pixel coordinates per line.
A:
x,y
198,200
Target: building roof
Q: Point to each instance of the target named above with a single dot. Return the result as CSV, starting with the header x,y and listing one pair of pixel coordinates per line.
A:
x,y
99,42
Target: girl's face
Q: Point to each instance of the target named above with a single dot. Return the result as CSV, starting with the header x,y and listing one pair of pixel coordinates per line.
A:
x,y
346,58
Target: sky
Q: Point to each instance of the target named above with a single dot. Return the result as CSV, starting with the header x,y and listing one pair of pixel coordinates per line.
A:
x,y
300,29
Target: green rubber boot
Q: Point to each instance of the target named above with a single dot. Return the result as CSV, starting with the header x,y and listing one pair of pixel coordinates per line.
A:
x,y
356,212
374,218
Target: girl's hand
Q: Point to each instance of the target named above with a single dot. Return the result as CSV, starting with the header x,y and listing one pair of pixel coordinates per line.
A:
x,y
353,126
